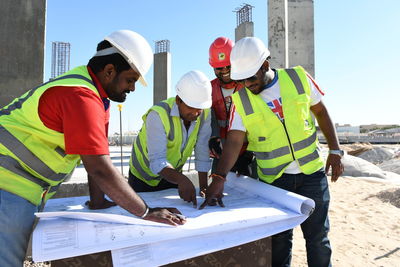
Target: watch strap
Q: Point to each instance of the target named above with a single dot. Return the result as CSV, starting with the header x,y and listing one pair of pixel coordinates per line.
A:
x,y
337,152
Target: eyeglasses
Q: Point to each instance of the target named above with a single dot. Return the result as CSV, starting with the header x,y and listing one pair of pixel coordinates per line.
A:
x,y
221,68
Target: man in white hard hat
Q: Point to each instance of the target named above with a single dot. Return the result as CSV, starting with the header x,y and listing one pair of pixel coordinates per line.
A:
x,y
171,130
274,111
48,130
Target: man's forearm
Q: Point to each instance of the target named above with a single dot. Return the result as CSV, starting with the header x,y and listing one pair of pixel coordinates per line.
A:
x,y
172,175
203,180
95,193
112,183
326,125
230,152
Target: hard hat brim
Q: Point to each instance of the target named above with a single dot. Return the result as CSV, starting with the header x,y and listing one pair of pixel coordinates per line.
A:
x,y
199,105
143,81
219,64
130,61
237,75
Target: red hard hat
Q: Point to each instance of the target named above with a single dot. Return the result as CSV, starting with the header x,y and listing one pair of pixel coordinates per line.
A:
x,y
220,52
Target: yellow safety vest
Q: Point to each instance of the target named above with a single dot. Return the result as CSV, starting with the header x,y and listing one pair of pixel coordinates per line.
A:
x,y
276,144
33,162
139,162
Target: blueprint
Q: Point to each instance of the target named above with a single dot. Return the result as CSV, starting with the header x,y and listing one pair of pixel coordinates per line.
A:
x,y
254,210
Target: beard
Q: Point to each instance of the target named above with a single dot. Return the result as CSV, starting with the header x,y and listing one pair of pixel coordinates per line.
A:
x,y
224,80
113,92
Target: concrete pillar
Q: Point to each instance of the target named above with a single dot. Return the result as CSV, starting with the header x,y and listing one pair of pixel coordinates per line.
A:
x,y
245,29
301,34
162,76
22,31
245,25
291,33
277,34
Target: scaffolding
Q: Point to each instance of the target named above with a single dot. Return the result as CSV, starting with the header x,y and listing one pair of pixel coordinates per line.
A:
x,y
162,46
243,14
60,60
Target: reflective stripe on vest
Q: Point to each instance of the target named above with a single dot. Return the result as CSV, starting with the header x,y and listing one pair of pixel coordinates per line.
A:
x,y
280,157
21,151
273,171
248,108
279,152
296,80
31,151
26,156
302,161
136,163
138,167
164,105
139,148
18,104
14,166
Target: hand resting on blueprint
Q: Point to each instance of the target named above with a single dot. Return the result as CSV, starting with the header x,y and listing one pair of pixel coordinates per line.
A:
x,y
170,216
105,204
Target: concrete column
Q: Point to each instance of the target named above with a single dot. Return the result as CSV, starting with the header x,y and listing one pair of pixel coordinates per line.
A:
x,y
245,29
301,34
291,33
162,76
277,34
22,31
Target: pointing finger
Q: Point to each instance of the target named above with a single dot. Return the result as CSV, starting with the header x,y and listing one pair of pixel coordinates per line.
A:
x,y
203,205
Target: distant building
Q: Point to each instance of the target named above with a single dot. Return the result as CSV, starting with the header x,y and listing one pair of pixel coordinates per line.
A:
x,y
370,127
60,58
347,129
392,132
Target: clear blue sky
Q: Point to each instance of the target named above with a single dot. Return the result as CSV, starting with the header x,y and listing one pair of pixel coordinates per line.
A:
x,y
357,44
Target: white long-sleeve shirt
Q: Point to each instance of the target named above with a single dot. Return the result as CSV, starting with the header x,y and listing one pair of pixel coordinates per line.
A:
x,y
157,141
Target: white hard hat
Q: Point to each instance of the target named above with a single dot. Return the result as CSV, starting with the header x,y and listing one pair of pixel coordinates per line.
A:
x,y
247,56
135,49
194,88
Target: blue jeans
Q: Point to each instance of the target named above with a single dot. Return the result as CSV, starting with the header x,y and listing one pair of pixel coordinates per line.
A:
x,y
16,222
315,229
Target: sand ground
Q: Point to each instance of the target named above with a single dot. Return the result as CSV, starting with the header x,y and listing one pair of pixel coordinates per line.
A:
x,y
365,225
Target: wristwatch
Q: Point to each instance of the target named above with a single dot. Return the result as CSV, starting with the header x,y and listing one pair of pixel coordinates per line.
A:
x,y
337,152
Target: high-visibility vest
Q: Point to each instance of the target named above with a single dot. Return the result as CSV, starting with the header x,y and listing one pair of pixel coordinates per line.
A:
x,y
276,144
221,114
33,162
219,107
139,162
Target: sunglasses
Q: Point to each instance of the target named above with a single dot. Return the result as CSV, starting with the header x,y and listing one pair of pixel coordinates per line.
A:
x,y
250,79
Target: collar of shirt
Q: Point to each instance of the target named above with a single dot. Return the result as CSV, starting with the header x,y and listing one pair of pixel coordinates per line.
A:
x,y
100,89
175,110
274,80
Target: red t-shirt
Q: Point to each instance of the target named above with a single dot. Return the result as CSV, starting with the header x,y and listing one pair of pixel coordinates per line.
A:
x,y
80,114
